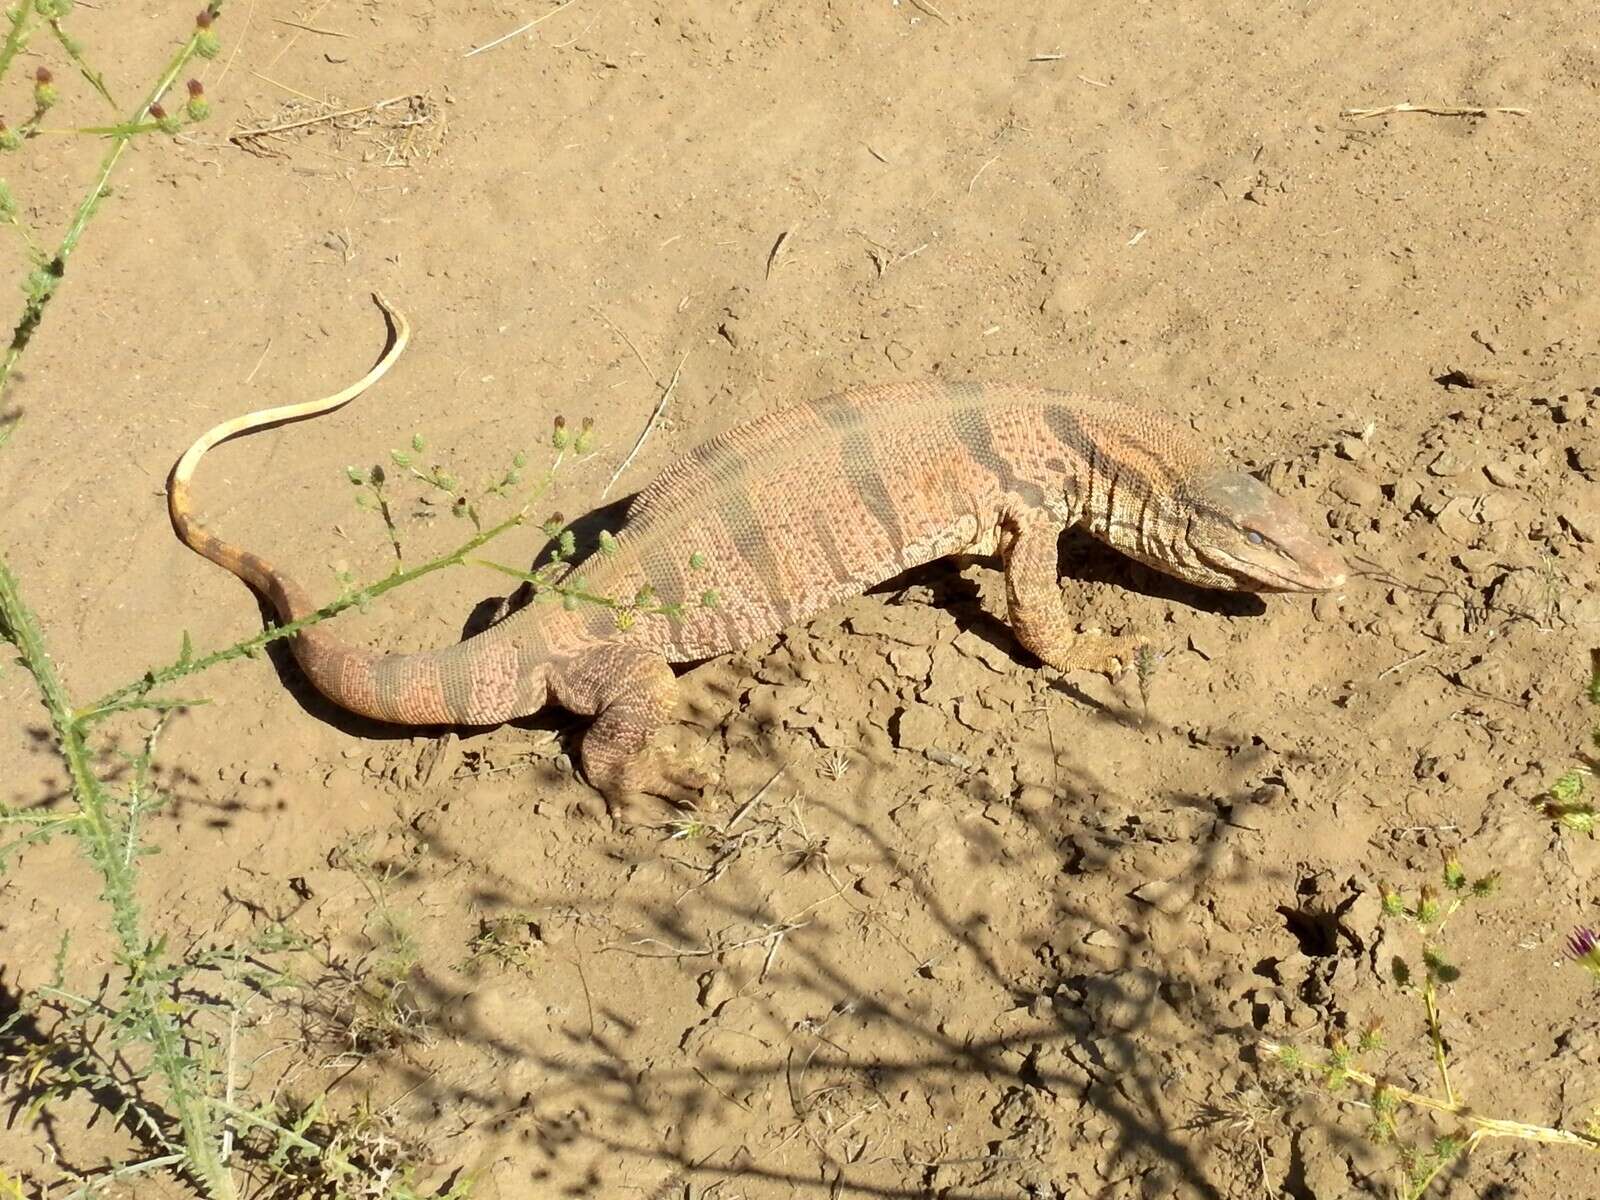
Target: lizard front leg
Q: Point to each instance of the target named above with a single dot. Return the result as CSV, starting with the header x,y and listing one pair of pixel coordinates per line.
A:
x,y
633,693
1036,612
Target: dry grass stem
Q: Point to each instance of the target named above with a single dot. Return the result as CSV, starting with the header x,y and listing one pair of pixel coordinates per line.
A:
x,y
1435,110
291,90
520,29
311,28
973,182
655,419
621,333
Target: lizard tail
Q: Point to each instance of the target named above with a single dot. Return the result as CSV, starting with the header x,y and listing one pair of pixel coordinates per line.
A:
x,y
479,681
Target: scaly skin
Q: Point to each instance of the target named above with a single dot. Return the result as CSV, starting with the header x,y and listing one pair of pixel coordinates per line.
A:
x,y
801,508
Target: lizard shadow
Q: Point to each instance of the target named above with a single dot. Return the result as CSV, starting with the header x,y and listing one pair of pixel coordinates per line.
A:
x,y
1081,557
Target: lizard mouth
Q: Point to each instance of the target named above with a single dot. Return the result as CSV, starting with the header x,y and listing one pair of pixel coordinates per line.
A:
x,y
1323,573
1307,567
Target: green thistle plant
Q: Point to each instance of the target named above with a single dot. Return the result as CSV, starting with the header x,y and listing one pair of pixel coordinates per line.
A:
x,y
1341,1068
24,20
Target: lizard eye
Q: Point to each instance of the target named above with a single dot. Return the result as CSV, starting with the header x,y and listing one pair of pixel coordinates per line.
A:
x,y
1254,538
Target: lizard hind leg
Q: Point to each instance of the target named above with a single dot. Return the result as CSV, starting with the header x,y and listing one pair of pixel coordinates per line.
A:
x,y
633,693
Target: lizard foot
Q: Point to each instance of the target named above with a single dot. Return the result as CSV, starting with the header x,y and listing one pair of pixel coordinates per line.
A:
x,y
677,779
1104,653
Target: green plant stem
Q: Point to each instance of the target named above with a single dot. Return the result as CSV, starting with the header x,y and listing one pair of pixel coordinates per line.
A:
x,y
1481,1126
256,1119
89,1190
17,38
1430,1003
33,311
146,1005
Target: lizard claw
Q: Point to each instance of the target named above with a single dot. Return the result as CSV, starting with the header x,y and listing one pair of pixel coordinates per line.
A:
x,y
677,779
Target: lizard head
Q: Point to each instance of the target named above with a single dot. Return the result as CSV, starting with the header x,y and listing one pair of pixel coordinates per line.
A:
x,y
1225,529
1236,533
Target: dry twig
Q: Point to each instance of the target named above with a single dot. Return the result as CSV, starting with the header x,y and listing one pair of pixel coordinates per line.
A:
x,y
1436,110
655,418
245,135
310,28
519,29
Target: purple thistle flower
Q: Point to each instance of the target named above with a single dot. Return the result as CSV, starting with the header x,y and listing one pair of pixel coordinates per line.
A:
x,y
1583,947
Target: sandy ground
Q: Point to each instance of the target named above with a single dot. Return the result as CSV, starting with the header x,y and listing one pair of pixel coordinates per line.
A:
x,y
1025,942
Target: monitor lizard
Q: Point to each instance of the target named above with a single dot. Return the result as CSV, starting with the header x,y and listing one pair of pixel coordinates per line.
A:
x,y
796,510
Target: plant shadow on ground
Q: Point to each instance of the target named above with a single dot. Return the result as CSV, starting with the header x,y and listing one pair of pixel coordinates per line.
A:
x,y
1085,1032
1049,1031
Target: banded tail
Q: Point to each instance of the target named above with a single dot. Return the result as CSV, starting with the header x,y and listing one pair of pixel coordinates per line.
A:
x,y
480,681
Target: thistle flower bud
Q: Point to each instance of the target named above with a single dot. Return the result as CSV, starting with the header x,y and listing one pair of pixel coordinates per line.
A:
x,y
9,139
1393,905
585,438
559,437
608,544
44,90
206,42
164,120
1384,1101
198,108
697,561
1371,1036
1428,905
1454,877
